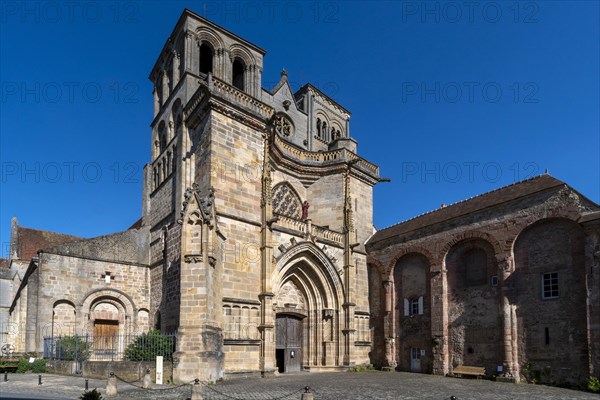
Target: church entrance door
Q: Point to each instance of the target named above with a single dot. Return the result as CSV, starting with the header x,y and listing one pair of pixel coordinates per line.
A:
x,y
106,337
288,352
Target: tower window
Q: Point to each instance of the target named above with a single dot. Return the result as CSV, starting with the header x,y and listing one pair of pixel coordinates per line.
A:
x,y
319,127
206,59
283,126
238,74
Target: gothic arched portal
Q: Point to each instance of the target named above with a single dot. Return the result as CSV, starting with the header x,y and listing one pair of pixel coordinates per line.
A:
x,y
309,316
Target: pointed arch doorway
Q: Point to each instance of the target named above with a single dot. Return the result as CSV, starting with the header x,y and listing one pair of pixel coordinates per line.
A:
x,y
308,313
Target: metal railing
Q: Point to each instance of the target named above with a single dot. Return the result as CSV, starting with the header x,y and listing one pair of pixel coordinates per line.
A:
x,y
144,347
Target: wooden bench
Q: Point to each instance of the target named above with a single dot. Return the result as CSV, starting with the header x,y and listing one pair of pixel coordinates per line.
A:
x,y
469,370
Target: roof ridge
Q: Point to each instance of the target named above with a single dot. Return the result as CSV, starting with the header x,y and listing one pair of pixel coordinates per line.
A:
x,y
53,232
471,198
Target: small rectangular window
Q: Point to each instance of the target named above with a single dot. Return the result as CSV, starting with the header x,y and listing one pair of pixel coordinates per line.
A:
x,y
550,285
414,307
547,336
494,281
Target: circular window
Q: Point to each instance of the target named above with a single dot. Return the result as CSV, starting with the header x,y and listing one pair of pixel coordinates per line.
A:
x,y
283,126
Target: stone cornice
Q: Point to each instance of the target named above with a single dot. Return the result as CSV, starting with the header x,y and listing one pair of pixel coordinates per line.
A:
x,y
311,165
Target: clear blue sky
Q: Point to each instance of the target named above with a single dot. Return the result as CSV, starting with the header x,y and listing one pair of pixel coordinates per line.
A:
x,y
450,100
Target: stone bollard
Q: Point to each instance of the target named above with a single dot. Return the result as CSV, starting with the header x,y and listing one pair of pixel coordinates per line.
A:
x,y
196,390
307,395
111,385
147,380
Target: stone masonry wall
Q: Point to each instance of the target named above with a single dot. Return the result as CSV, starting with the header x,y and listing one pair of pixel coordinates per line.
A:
x,y
500,227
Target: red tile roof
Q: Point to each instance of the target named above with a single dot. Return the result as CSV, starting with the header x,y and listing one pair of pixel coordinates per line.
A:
x,y
31,240
485,200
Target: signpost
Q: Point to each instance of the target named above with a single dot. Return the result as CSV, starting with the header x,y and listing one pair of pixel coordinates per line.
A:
x,y
159,370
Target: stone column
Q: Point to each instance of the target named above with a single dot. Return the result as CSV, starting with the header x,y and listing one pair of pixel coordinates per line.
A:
x,y
505,267
267,323
389,329
349,272
156,103
175,67
31,325
221,65
516,369
439,320
188,51
348,127
165,87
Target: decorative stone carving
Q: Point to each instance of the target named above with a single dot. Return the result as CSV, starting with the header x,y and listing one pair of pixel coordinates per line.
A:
x,y
285,201
192,259
283,126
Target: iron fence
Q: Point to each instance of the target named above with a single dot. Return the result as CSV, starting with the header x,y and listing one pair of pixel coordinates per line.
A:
x,y
144,347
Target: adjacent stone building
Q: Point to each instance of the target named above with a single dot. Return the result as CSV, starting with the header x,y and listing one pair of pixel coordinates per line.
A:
x,y
256,247
507,280
61,285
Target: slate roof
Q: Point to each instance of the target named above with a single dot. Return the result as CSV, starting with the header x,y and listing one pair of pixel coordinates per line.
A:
x,y
495,197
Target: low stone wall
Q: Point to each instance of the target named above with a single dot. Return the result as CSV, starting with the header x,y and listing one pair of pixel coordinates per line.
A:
x,y
126,370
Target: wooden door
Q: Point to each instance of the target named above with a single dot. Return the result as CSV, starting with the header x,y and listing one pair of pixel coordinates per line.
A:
x,y
289,343
106,336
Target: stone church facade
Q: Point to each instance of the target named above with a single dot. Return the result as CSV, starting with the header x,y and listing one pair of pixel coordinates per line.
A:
x,y
257,232
256,246
250,248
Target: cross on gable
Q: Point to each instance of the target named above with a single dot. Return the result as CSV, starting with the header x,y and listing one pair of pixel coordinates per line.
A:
x,y
107,276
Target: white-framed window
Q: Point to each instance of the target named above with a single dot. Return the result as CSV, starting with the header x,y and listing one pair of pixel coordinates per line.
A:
x,y
550,285
413,306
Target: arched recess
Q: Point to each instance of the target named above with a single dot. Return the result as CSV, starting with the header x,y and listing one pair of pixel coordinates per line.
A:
x,y
210,47
242,65
160,140
336,130
322,126
63,318
143,321
237,51
496,246
549,290
377,310
177,117
473,304
412,307
307,271
238,74
412,249
111,307
286,201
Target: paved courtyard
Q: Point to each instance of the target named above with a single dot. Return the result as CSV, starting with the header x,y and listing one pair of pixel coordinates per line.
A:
x,y
326,386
